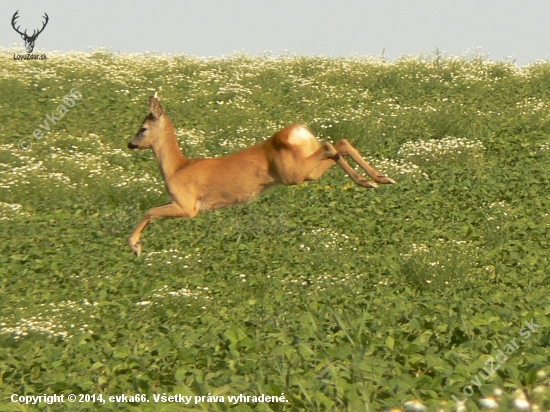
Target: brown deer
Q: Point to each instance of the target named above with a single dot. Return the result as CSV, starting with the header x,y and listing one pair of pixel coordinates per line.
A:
x,y
289,157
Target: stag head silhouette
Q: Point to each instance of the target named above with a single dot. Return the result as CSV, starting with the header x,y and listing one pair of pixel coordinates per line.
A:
x,y
29,40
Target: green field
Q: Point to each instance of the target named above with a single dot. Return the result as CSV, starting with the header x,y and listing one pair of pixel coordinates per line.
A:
x,y
338,297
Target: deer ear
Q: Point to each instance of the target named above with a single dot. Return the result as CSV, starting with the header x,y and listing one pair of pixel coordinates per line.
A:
x,y
155,107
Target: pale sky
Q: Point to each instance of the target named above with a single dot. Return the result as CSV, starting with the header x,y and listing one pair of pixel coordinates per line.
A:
x,y
500,29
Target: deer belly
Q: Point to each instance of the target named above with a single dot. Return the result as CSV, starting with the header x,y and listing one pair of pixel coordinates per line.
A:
x,y
223,199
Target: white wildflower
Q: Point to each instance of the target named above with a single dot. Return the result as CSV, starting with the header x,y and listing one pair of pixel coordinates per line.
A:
x,y
489,403
415,405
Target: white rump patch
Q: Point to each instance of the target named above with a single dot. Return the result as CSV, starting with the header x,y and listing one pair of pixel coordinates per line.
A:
x,y
299,135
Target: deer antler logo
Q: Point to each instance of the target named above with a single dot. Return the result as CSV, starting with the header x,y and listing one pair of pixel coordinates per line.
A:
x,y
29,40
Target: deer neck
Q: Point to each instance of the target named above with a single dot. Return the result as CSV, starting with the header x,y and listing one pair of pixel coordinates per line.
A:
x,y
168,153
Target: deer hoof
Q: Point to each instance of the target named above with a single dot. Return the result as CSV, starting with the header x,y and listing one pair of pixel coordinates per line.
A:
x,y
385,180
135,246
366,183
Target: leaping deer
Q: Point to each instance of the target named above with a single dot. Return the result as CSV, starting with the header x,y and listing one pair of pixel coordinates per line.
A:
x,y
29,40
289,157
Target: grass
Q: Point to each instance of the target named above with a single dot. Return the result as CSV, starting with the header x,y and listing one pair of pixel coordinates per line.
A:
x,y
338,297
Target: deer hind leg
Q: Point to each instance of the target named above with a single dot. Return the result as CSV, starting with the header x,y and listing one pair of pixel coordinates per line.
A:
x,y
333,155
307,158
169,210
293,167
345,148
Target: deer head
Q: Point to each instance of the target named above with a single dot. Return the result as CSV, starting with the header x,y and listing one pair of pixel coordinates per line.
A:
x,y
29,40
151,128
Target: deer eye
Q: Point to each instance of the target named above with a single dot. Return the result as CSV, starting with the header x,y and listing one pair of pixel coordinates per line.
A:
x,y
143,129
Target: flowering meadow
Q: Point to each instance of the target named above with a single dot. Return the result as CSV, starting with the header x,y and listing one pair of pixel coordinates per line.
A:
x,y
428,295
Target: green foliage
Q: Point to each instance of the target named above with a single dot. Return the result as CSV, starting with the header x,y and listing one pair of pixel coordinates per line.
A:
x,y
339,297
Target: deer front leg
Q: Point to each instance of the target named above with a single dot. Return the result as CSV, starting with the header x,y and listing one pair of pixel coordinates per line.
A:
x,y
169,210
